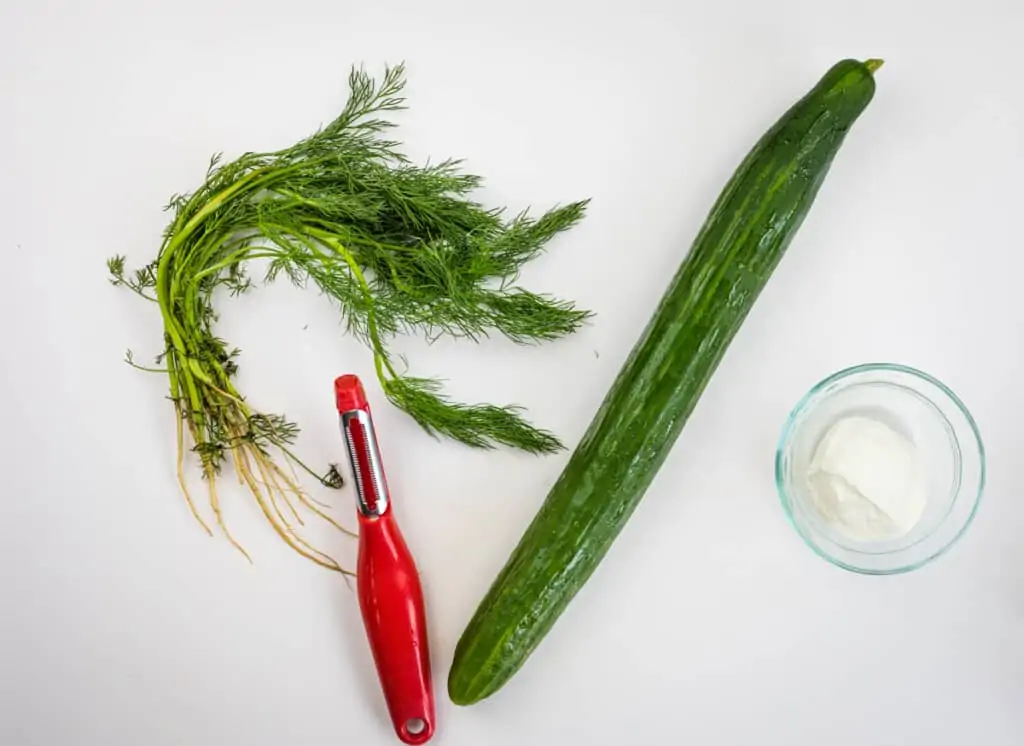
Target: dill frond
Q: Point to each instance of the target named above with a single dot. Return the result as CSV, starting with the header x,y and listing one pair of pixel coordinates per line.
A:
x,y
399,249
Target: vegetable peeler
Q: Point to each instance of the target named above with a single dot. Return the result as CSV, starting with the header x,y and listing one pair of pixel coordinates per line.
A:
x,y
388,585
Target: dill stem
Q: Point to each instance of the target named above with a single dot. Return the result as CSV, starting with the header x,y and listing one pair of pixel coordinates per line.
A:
x,y
178,237
380,360
236,258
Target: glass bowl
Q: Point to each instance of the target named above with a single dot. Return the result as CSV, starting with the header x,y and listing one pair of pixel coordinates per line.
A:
x,y
923,410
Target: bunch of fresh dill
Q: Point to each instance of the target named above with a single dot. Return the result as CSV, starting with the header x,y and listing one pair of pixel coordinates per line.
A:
x,y
400,248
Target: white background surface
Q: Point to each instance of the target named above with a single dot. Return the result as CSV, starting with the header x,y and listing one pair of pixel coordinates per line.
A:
x,y
709,622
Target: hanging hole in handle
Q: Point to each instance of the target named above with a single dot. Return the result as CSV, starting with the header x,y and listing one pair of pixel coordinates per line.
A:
x,y
417,729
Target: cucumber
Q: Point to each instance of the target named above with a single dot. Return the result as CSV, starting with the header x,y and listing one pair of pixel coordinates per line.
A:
x,y
737,249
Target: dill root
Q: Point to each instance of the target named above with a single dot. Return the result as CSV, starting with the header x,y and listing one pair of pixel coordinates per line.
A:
x,y
398,248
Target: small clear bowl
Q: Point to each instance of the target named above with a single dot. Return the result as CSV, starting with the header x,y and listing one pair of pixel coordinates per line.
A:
x,y
923,410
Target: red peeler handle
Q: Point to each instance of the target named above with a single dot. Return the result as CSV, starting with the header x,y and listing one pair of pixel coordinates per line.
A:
x,y
392,603
390,595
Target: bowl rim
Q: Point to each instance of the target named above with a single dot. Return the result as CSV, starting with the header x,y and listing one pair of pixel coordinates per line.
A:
x,y
801,405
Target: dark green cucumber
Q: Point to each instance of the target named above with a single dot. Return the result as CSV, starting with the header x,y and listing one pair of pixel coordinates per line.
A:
x,y
731,260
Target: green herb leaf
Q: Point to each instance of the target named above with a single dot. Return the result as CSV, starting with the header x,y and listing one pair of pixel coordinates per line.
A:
x,y
399,248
